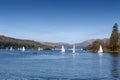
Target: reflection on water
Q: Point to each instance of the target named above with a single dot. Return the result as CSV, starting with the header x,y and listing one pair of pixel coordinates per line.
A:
x,y
100,67
52,65
115,66
115,54
115,69
44,57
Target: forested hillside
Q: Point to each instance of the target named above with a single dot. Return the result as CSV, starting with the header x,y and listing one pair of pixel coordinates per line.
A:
x,y
7,42
109,45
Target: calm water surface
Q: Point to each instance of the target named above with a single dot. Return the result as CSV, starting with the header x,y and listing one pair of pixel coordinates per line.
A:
x,y
52,65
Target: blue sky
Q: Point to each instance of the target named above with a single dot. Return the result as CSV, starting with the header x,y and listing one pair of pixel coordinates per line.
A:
x,y
69,21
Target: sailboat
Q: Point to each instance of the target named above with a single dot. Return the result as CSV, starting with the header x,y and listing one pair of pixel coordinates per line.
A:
x,y
11,48
39,49
100,51
81,49
63,49
73,50
23,48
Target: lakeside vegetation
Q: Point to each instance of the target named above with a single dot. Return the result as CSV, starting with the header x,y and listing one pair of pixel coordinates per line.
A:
x,y
109,45
7,42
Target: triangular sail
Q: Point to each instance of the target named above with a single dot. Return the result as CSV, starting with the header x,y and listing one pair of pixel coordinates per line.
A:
x,y
23,49
81,49
39,49
62,49
11,48
100,51
73,49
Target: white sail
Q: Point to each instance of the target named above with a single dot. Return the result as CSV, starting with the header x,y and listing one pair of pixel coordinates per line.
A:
x,y
11,48
73,49
19,48
100,51
39,49
62,49
23,48
81,49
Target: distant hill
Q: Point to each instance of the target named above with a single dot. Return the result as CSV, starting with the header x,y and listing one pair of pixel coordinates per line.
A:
x,y
58,44
7,42
84,43
68,46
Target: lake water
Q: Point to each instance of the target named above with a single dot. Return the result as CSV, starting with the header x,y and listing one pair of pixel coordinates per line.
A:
x,y
52,65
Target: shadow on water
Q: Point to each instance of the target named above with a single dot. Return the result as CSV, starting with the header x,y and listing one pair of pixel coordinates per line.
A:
x,y
115,68
115,54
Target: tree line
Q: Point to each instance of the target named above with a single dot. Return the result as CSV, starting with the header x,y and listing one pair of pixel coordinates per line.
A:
x,y
7,42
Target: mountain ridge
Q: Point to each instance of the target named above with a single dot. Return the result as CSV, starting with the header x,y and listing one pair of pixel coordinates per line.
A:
x,y
68,45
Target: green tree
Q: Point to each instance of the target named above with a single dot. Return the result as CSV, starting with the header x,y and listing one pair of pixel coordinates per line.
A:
x,y
113,43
